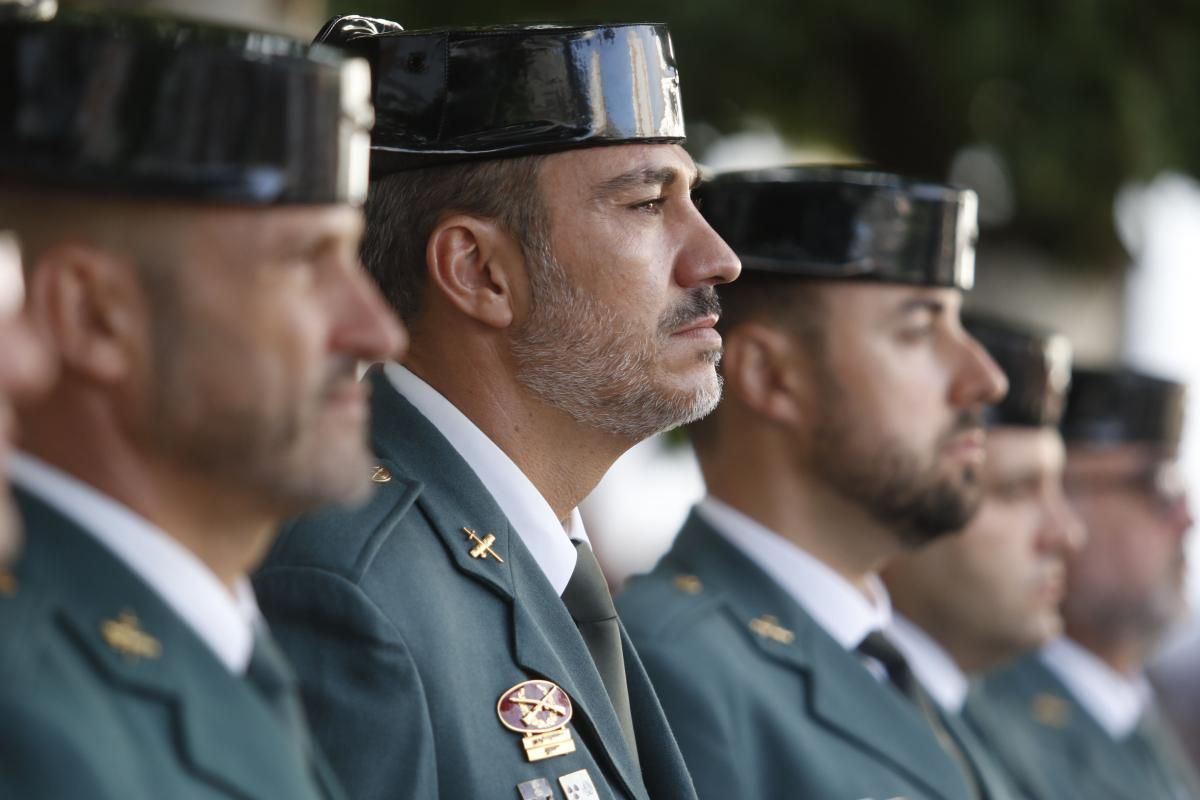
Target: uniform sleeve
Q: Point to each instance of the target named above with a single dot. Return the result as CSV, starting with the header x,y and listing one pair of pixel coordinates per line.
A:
x,y
362,692
702,723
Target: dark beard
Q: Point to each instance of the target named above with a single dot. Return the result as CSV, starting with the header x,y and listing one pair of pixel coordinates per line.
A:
x,y
918,502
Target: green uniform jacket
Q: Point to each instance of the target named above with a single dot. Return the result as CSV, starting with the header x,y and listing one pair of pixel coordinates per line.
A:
x,y
766,705
106,694
1055,750
405,642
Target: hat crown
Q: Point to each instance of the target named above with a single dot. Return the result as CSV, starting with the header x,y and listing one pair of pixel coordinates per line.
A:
x,y
841,223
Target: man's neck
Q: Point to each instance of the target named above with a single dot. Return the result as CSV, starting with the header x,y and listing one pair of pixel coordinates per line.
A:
x,y
1126,655
229,534
562,458
808,514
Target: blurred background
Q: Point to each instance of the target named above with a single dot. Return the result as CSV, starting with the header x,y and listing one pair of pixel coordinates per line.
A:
x,y
1077,122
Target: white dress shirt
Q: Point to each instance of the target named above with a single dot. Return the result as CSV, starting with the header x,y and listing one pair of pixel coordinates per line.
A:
x,y
932,666
846,614
547,539
1114,700
224,621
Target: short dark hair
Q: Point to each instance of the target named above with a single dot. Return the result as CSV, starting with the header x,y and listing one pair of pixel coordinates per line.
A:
x,y
794,304
403,208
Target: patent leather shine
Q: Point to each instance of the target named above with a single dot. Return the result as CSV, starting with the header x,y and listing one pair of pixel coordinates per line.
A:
x,y
850,224
160,108
448,95
1120,405
1038,368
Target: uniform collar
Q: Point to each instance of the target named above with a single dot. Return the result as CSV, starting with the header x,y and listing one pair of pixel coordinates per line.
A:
x,y
932,665
1115,701
546,538
834,603
224,622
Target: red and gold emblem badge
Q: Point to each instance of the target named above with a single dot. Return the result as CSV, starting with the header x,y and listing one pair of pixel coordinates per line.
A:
x,y
540,711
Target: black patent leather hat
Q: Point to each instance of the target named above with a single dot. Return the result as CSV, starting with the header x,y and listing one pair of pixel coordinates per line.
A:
x,y
152,107
469,93
839,223
1124,406
1037,365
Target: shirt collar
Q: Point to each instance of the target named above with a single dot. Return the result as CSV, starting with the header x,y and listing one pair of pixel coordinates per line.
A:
x,y
1115,701
946,683
547,539
224,622
837,605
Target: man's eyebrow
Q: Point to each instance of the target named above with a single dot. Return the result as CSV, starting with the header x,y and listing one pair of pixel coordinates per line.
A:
x,y
933,305
640,177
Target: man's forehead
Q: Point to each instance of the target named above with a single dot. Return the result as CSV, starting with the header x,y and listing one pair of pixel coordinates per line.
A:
x,y
1024,448
894,298
597,167
1086,460
283,225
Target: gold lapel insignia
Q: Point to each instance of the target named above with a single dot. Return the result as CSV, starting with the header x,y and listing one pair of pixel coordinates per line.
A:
x,y
688,584
536,789
8,584
1050,710
578,786
380,474
483,547
768,627
540,711
125,636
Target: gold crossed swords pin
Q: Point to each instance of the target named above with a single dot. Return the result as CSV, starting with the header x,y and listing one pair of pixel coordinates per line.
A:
x,y
539,711
483,546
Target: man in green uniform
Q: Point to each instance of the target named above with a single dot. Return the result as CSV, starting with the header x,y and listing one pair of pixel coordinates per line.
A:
x,y
25,371
531,219
850,431
185,198
975,601
1078,719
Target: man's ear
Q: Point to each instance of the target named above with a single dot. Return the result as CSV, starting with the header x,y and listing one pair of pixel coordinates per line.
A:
x,y
479,268
90,307
764,371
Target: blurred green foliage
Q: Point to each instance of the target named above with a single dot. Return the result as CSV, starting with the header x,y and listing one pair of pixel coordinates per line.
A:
x,y
1077,95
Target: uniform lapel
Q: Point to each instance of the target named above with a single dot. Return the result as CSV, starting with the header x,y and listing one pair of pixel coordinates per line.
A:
x,y
546,641
991,779
663,769
844,696
1061,725
224,733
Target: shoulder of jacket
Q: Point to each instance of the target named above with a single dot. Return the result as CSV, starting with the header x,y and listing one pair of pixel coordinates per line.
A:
x,y
344,540
667,603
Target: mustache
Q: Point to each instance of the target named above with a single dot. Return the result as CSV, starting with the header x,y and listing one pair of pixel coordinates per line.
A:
x,y
967,421
699,303
342,370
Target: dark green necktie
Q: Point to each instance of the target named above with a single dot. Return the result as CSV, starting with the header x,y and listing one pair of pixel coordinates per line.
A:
x,y
900,675
590,604
270,675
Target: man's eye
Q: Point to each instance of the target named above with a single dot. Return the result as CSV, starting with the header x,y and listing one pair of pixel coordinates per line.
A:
x,y
653,205
916,332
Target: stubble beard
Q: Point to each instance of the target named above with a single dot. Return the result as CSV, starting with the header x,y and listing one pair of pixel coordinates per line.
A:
x,y
228,431
581,358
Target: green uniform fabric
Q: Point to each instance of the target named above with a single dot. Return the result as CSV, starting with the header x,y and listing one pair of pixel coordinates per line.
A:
x,y
1055,750
405,642
83,715
765,704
